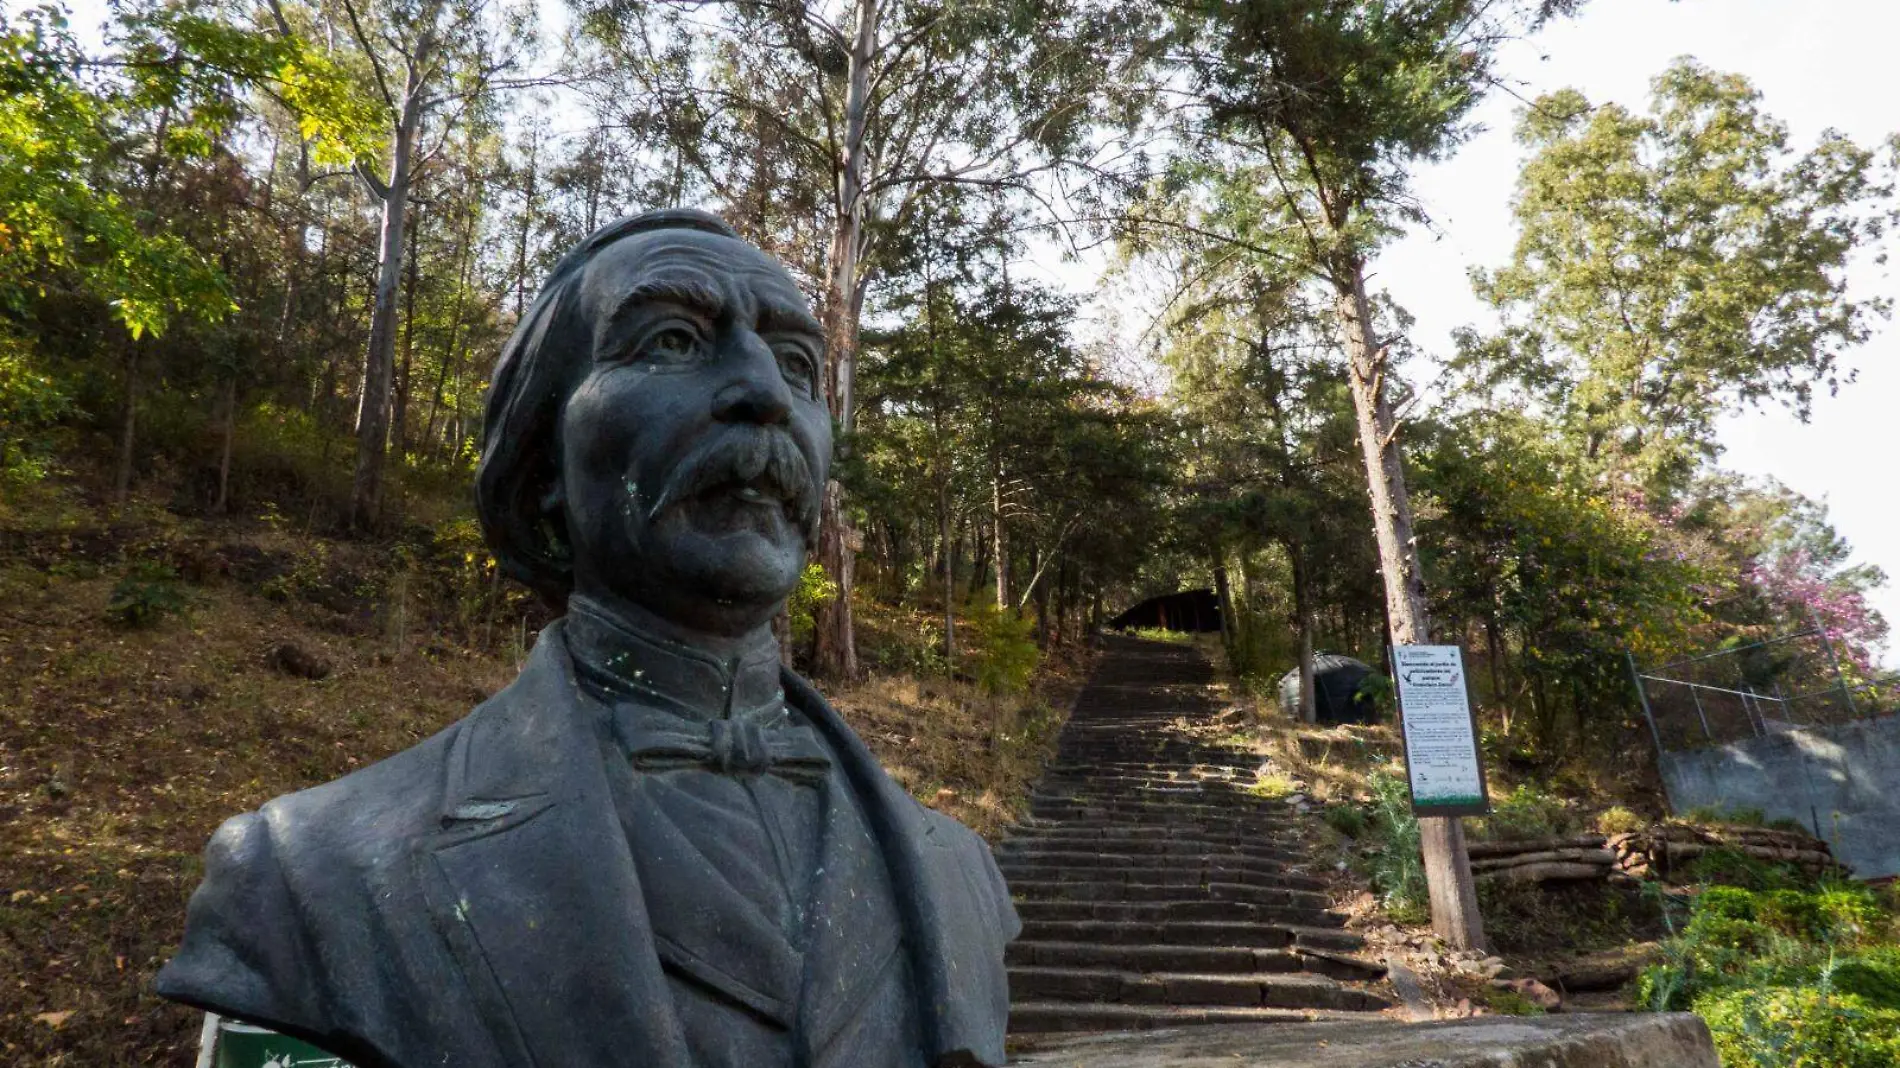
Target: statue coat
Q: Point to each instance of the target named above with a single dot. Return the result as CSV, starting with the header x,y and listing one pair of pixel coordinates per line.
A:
x,y
472,903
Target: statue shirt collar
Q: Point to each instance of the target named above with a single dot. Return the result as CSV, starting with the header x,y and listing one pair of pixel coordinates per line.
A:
x,y
616,662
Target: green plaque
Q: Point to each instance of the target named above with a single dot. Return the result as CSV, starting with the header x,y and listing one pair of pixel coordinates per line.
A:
x,y
230,1044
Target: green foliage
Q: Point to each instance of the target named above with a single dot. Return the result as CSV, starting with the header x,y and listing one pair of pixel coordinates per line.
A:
x,y
1792,976
31,404
1674,266
1349,820
1717,816
814,588
1005,653
1510,1003
1801,1028
56,131
145,595
1524,813
1619,820
1162,634
1393,860
1572,576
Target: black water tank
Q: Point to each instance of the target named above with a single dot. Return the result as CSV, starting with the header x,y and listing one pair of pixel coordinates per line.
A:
x,y
1336,682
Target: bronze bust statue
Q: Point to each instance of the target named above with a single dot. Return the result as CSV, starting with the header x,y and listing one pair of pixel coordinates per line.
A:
x,y
655,847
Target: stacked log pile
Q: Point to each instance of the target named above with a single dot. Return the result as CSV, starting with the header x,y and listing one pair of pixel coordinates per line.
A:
x,y
1661,851
1543,860
1658,852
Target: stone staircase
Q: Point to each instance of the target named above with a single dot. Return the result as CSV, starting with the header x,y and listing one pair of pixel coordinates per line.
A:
x,y
1154,890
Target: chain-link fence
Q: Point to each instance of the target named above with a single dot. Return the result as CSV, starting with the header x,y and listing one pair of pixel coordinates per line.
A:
x,y
1753,690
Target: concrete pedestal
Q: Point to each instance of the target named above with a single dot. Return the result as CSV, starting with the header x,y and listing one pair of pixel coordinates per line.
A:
x,y
1646,1040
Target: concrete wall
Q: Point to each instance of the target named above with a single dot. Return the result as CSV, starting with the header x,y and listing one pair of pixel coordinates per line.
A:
x,y
1841,782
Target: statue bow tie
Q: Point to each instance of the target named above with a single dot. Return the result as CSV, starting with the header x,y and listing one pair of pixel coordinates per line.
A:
x,y
735,747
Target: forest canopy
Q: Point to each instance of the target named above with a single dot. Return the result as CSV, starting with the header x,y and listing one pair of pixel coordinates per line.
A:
x,y
257,260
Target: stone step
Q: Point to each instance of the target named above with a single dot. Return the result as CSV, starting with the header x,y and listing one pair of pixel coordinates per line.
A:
x,y
1057,890
1233,807
1180,838
1273,853
1273,990
1042,1017
1192,933
1154,958
1176,875
1165,911
1040,857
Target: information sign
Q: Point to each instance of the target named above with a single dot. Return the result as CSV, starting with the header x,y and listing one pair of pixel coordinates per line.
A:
x,y
1441,735
233,1044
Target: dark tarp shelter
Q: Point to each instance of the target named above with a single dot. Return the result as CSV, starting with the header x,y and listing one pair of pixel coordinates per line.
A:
x,y
1192,611
1336,682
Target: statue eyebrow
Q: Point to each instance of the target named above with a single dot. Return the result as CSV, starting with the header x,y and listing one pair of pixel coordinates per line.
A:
x,y
690,292
776,315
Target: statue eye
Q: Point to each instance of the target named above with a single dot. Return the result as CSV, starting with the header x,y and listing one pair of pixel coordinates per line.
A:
x,y
675,344
798,365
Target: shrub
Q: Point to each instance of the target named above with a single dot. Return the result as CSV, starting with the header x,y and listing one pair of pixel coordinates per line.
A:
x,y
1801,1028
1526,812
1619,820
31,404
148,592
814,588
1394,864
1791,976
1349,820
1004,654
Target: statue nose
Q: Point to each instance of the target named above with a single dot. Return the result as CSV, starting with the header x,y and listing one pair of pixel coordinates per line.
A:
x,y
759,397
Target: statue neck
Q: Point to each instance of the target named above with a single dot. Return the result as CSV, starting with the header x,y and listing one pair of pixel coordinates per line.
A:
x,y
700,676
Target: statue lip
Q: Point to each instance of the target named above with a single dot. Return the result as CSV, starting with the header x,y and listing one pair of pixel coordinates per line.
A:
x,y
762,492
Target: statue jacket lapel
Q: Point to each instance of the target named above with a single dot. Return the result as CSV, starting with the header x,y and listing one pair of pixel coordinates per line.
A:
x,y
560,955
953,911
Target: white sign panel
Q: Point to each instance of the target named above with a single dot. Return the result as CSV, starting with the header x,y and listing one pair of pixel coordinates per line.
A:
x,y
1441,746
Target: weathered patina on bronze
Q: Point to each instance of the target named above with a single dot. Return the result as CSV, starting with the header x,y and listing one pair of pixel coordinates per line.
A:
x,y
655,847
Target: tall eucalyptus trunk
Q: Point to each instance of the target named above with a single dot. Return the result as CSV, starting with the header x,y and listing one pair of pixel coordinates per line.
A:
x,y
1454,896
834,648
379,363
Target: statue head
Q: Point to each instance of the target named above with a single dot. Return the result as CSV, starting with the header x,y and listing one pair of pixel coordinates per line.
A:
x,y
656,435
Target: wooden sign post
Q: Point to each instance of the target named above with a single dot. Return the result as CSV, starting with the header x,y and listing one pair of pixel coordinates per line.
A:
x,y
1446,774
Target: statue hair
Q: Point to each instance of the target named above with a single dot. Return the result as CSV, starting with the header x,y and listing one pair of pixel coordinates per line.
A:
x,y
539,366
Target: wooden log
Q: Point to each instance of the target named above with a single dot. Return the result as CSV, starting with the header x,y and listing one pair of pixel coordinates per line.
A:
x,y
1583,856
1498,849
1548,871
1690,850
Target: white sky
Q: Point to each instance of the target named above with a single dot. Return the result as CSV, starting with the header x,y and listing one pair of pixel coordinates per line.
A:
x,y
1818,64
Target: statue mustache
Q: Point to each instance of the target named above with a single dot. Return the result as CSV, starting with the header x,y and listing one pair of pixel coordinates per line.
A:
x,y
766,459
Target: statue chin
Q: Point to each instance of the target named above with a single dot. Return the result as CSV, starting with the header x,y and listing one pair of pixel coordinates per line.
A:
x,y
716,573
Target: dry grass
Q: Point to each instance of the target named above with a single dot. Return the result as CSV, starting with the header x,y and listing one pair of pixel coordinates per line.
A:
x,y
122,750
935,738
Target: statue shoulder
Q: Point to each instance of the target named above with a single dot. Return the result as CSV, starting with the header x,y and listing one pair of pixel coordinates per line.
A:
x,y
248,951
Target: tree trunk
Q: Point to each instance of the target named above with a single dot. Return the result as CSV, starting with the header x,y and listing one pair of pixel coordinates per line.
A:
x,y
979,558
1454,896
999,542
527,223
128,426
399,424
949,575
1224,597
379,364
1303,623
219,506
835,651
